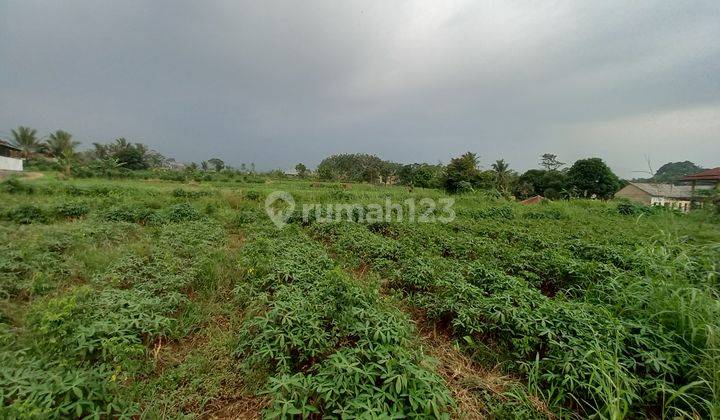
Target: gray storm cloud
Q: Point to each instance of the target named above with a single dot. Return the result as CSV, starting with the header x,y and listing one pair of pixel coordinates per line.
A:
x,y
278,83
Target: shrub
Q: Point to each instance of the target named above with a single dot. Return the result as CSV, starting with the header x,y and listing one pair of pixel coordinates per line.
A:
x,y
71,210
26,214
326,344
129,213
13,185
182,212
548,213
252,195
629,208
181,193
38,387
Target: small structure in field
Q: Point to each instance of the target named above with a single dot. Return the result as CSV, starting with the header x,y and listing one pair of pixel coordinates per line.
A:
x,y
533,200
678,197
10,157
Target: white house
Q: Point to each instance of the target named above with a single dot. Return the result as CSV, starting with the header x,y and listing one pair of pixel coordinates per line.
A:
x,y
10,157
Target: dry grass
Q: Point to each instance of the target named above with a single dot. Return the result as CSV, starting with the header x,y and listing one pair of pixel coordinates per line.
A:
x,y
466,379
242,407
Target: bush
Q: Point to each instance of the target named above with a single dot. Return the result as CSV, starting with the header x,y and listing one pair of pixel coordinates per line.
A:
x,y
26,214
182,212
14,186
181,193
253,195
129,213
326,344
629,208
32,387
71,210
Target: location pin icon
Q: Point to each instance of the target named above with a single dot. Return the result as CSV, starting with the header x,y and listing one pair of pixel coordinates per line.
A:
x,y
279,217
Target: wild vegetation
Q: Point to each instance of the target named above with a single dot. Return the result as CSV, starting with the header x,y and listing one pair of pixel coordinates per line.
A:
x,y
162,298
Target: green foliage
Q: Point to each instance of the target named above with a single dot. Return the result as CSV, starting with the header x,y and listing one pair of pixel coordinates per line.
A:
x,y
674,171
421,175
15,186
629,208
199,300
592,177
548,183
32,387
461,174
129,213
26,139
71,210
181,193
182,212
356,167
217,164
26,213
327,344
252,195
556,308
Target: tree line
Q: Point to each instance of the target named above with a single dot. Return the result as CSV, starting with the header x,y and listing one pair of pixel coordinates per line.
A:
x,y
584,178
58,150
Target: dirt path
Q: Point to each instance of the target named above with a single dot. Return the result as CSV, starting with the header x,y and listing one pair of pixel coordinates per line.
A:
x,y
32,175
24,175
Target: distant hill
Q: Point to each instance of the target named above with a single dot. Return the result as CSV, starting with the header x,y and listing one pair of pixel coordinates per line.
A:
x,y
674,171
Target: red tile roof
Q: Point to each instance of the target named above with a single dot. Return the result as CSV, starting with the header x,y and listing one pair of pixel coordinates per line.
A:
x,y
533,200
706,175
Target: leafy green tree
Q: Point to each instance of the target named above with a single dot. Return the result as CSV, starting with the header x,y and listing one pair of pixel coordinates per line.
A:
x,y
59,142
133,157
301,170
356,167
26,139
421,175
204,165
463,169
216,163
592,177
549,184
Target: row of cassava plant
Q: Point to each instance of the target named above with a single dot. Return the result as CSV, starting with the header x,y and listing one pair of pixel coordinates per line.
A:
x,y
80,316
324,344
597,318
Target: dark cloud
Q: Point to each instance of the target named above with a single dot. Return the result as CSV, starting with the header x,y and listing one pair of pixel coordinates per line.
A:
x,y
280,82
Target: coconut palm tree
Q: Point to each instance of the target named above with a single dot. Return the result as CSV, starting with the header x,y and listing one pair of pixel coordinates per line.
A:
x,y
60,142
61,145
502,173
26,139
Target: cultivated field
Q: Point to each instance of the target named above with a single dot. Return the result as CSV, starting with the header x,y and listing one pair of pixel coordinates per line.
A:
x,y
160,298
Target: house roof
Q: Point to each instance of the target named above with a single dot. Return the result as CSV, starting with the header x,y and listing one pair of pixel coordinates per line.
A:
x,y
706,175
533,200
4,143
669,190
665,190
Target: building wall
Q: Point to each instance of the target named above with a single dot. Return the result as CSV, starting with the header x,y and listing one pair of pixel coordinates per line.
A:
x,y
674,203
10,164
634,193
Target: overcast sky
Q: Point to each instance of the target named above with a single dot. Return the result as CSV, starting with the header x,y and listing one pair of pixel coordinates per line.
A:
x,y
281,82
